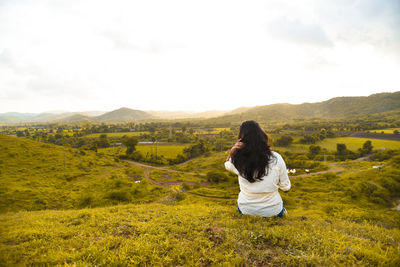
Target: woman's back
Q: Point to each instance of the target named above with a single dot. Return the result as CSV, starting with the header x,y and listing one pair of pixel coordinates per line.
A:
x,y
261,172
262,197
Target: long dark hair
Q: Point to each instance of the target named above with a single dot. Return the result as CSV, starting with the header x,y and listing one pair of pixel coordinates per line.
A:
x,y
253,158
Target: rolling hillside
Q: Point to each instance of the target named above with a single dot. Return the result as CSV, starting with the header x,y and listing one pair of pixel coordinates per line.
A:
x,y
35,176
338,107
334,108
66,206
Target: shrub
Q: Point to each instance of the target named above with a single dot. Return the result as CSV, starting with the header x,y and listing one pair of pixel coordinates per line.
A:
x,y
120,196
284,140
216,177
396,161
374,193
85,201
383,155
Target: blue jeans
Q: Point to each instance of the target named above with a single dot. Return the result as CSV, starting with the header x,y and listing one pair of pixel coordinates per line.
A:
x,y
280,214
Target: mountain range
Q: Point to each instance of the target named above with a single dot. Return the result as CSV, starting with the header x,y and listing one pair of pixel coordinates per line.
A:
x,y
337,107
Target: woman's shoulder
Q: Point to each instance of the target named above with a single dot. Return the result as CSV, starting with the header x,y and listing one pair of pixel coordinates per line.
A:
x,y
276,154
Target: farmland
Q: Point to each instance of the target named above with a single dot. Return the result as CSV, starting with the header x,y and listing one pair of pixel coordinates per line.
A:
x,y
387,130
165,150
120,134
353,143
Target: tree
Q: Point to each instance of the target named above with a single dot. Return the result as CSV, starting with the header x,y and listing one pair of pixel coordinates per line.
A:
x,y
308,139
313,150
284,140
103,141
341,148
152,129
130,142
367,147
341,151
197,149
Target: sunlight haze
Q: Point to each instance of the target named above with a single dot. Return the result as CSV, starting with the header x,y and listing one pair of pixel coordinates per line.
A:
x,y
193,55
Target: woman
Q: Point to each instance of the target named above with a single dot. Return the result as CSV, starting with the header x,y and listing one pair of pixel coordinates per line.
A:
x,y
261,172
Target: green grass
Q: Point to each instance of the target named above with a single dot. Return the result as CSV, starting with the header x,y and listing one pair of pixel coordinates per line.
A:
x,y
211,161
295,148
168,176
231,193
193,234
97,135
33,177
354,143
340,219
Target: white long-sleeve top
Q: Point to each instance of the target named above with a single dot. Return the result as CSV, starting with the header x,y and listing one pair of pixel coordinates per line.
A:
x,y
262,197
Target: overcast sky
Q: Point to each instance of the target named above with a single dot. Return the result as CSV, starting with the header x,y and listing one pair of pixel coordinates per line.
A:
x,y
80,55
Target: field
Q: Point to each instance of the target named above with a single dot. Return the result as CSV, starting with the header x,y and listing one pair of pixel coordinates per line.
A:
x,y
387,130
97,135
212,131
167,151
354,143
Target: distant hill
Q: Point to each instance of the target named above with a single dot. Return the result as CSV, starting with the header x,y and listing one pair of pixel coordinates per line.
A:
x,y
338,107
16,117
123,115
74,118
165,114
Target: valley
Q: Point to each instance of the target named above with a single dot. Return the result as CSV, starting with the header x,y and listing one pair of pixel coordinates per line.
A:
x,y
156,193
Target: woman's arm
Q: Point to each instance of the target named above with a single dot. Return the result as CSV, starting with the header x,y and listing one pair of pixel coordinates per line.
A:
x,y
228,163
284,182
230,167
239,144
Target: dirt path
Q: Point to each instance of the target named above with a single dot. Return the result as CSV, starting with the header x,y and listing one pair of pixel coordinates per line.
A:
x,y
163,184
332,168
147,168
195,194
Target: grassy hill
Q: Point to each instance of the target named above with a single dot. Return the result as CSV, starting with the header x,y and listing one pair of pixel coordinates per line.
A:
x,y
93,213
193,233
338,107
33,177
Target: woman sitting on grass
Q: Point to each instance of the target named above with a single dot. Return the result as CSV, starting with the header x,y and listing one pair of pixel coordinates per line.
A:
x,y
261,172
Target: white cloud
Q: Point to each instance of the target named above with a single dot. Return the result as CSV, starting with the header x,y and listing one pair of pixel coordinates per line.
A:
x,y
299,33
82,55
